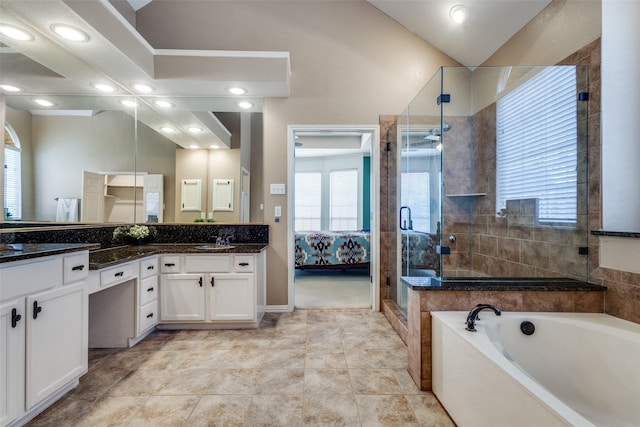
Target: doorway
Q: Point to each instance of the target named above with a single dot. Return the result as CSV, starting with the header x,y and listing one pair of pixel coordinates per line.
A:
x,y
333,229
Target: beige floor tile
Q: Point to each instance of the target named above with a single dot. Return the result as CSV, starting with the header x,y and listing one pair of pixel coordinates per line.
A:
x,y
428,411
187,382
287,358
234,381
385,411
330,410
327,381
280,381
374,381
311,367
220,411
166,411
275,410
140,383
111,411
325,359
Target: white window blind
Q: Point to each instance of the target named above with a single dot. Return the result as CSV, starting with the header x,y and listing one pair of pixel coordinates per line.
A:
x,y
12,184
415,194
537,145
308,201
343,207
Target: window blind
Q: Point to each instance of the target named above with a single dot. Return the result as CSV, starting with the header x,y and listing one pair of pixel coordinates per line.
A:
x,y
308,201
536,145
414,190
343,206
12,183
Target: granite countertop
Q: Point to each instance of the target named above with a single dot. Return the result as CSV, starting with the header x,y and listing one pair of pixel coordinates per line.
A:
x,y
499,284
21,251
103,258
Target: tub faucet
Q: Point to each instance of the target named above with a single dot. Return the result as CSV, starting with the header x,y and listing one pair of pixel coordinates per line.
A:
x,y
473,315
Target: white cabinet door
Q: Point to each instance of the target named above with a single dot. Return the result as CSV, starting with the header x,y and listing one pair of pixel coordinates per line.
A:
x,y
12,354
93,192
56,340
182,297
232,297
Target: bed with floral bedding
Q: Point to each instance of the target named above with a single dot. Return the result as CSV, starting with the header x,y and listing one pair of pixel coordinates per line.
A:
x,y
332,249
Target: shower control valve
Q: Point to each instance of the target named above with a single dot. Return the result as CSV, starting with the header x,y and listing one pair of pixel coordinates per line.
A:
x,y
452,238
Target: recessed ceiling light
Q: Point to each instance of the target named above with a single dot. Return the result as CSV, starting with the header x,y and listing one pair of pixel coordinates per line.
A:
x,y
458,14
214,146
245,104
194,146
43,102
195,129
104,87
10,88
167,129
143,88
15,33
236,90
129,103
70,33
163,103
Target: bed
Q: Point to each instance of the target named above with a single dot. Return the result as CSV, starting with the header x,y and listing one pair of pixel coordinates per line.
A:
x,y
332,249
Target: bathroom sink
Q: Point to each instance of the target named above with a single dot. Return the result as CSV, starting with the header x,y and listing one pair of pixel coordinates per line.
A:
x,y
214,247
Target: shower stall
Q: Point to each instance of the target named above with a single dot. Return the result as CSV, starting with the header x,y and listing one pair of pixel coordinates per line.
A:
x,y
487,177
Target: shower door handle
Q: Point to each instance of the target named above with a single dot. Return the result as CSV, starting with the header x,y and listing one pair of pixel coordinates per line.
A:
x,y
408,223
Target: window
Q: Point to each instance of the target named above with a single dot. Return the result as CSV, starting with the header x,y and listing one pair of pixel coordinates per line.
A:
x,y
12,176
415,194
343,207
308,200
536,145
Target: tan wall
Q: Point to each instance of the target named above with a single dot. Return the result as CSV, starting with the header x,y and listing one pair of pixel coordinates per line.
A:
x,y
349,63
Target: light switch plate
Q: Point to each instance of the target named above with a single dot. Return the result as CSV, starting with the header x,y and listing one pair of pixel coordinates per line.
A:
x,y
277,189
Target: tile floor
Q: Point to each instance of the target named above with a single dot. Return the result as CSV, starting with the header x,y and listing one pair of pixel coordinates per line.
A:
x,y
307,368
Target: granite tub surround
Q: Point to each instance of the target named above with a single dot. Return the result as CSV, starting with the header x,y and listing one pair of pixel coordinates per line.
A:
x,y
566,297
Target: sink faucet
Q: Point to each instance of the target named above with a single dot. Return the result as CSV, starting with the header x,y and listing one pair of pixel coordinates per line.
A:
x,y
473,315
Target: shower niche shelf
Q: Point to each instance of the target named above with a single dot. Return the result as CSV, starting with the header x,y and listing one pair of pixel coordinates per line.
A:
x,y
466,195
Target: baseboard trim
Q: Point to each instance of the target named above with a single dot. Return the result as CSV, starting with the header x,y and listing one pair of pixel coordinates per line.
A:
x,y
277,308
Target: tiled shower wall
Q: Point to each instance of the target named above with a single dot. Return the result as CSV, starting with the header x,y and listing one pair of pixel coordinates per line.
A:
x,y
512,244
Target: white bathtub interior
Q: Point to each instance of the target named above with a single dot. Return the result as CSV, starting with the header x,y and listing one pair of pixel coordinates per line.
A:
x,y
576,369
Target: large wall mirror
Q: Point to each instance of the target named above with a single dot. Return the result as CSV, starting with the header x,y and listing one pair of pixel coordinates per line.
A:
x,y
182,150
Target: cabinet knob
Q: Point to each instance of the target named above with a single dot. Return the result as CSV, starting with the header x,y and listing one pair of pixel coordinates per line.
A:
x,y
119,274
200,281
150,289
15,317
213,282
149,316
243,264
78,268
36,309
169,264
150,267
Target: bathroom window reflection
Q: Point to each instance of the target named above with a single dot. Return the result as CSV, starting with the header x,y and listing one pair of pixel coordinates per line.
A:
x,y
12,175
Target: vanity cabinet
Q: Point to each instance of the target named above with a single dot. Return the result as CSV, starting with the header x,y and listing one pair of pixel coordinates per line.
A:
x,y
215,290
43,320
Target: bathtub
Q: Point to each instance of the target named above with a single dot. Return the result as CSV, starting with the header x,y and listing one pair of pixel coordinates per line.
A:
x,y
576,369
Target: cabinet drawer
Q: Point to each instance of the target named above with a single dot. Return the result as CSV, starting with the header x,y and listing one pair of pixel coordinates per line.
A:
x,y
148,267
170,264
148,316
30,277
207,264
244,263
148,290
118,274
75,267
